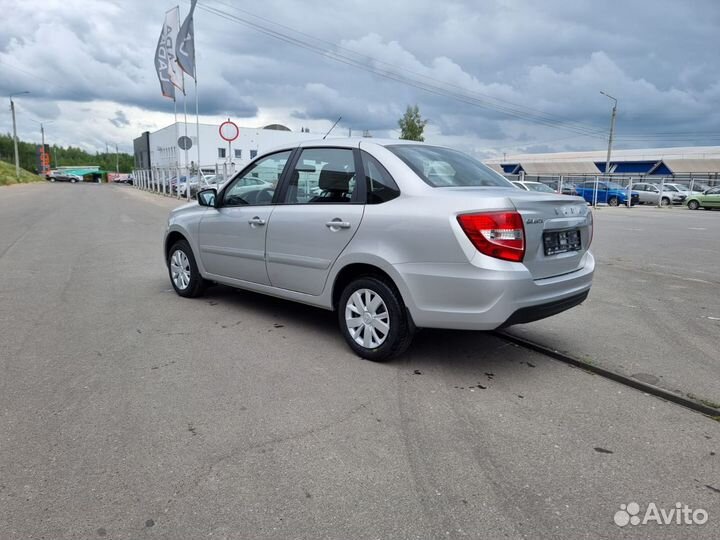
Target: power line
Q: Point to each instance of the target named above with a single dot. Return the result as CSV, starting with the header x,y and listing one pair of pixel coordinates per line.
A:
x,y
472,93
439,90
351,57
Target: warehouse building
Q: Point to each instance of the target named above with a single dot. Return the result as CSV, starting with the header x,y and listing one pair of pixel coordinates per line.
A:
x,y
160,149
698,161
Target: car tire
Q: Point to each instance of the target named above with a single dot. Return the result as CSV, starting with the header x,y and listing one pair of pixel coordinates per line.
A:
x,y
184,274
72,180
664,201
613,201
368,299
52,179
693,205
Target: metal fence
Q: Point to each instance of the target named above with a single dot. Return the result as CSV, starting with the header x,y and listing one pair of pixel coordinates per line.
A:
x,y
567,184
180,183
176,182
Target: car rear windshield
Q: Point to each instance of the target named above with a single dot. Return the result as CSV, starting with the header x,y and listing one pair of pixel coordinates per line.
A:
x,y
442,167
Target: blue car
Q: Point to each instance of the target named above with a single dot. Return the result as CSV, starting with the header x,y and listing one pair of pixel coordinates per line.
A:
x,y
609,193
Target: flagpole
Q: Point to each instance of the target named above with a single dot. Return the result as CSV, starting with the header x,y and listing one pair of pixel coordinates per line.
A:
x,y
177,169
187,169
197,131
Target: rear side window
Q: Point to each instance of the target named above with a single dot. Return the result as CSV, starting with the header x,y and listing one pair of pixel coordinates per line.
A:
x,y
380,185
322,175
442,167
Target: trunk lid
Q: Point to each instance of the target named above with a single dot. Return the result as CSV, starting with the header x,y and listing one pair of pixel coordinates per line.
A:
x,y
541,213
546,214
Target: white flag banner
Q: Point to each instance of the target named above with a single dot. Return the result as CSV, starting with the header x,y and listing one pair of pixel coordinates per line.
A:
x,y
172,27
185,46
162,65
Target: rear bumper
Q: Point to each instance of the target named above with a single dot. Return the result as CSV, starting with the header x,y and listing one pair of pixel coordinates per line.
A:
x,y
465,297
543,311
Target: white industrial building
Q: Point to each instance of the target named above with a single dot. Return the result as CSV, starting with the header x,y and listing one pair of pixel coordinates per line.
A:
x,y
160,149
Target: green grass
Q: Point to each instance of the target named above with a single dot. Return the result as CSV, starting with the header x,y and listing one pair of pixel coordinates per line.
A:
x,y
7,175
707,402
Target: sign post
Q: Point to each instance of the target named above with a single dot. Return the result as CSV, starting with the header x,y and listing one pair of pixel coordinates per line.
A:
x,y
229,132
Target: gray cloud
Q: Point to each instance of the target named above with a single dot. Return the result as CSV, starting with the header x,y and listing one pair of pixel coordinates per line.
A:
x,y
658,57
119,120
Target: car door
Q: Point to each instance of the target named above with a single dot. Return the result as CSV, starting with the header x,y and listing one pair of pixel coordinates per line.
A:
x,y
320,208
641,190
590,194
650,195
646,192
232,236
711,199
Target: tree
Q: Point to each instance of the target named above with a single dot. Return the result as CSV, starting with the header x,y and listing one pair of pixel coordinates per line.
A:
x,y
61,156
412,125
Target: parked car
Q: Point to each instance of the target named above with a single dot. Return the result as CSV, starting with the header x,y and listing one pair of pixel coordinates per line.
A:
x,y
568,188
388,242
183,184
707,200
650,194
533,186
676,188
685,188
611,193
60,176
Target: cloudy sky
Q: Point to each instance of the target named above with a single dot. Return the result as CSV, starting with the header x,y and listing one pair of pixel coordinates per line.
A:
x,y
504,76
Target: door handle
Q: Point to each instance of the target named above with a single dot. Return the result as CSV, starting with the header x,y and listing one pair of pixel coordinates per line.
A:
x,y
336,224
256,221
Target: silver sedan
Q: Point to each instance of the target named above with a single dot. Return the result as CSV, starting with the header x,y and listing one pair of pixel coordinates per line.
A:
x,y
392,235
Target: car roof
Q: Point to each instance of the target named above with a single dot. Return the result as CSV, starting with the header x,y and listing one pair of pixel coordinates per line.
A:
x,y
345,142
353,142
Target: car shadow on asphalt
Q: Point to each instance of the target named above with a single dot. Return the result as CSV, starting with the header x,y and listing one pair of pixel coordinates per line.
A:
x,y
462,351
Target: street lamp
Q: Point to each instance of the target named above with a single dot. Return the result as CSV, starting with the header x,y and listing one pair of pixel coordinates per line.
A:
x,y
612,130
15,139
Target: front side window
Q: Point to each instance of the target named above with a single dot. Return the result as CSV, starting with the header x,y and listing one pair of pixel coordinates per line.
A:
x,y
257,184
442,167
380,185
322,175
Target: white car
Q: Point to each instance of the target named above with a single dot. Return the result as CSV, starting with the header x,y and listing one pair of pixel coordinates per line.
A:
x,y
533,186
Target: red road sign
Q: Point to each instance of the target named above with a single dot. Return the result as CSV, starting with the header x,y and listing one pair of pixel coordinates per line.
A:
x,y
229,131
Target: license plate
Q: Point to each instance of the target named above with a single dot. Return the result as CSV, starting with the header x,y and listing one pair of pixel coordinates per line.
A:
x,y
561,241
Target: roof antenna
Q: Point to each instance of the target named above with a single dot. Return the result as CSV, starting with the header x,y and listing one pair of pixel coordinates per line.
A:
x,y
333,127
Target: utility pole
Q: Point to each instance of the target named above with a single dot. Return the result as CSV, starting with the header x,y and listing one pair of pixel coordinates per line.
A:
x,y
15,139
117,160
612,131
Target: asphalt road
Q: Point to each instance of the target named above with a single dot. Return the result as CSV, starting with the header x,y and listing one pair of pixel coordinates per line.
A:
x,y
128,412
654,310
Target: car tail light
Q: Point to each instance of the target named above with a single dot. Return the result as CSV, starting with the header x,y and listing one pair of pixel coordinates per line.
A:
x,y
592,227
496,234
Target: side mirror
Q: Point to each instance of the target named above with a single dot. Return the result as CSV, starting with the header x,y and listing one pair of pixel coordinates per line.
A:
x,y
207,197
